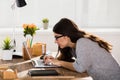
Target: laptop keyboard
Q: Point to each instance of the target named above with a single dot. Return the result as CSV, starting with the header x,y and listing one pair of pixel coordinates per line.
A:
x,y
39,62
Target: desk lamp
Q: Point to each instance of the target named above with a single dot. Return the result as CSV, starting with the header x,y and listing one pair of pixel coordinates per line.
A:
x,y
19,3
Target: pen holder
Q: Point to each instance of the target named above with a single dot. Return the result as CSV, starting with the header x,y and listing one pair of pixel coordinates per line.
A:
x,y
25,53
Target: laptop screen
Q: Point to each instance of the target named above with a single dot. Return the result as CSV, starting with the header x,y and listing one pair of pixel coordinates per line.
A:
x,y
28,53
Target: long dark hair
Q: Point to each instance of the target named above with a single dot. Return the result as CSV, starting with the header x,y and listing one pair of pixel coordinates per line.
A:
x,y
68,28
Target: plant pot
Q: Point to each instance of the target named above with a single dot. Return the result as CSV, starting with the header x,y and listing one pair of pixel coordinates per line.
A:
x,y
45,25
7,54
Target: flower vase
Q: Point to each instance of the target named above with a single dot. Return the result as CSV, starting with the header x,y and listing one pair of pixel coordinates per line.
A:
x,y
28,45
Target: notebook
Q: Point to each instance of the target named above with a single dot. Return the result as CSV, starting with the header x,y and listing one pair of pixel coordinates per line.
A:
x,y
37,63
43,73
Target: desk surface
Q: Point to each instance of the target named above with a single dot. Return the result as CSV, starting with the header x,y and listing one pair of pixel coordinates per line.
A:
x,y
23,66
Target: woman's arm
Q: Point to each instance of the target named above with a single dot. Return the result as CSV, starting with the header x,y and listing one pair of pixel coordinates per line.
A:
x,y
68,65
65,64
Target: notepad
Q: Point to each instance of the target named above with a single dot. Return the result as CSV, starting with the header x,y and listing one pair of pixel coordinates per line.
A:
x,y
43,73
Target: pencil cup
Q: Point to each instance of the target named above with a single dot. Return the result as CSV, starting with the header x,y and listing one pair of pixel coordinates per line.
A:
x,y
26,55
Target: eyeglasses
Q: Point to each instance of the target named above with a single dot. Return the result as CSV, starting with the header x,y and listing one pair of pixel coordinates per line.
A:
x,y
56,37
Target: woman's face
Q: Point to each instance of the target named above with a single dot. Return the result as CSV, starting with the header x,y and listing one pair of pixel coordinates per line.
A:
x,y
61,40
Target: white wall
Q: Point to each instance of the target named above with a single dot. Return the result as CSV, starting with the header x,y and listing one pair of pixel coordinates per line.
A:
x,y
35,11
46,36
87,13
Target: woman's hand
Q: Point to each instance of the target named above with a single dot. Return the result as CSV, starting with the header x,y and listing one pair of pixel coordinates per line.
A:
x,y
51,60
47,59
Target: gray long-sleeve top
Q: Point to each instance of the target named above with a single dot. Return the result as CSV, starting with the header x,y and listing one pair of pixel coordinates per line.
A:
x,y
98,63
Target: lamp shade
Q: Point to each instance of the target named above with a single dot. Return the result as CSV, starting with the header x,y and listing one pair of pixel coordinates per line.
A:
x,y
21,3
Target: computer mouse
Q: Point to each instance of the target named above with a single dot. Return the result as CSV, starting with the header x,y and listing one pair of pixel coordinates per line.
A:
x,y
41,57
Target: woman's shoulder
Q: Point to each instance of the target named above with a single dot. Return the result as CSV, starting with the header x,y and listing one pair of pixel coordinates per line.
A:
x,y
85,41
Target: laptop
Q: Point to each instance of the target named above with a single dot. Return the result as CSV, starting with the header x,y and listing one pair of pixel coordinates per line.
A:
x,y
37,63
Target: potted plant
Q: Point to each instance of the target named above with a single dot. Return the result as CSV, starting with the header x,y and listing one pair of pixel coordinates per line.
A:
x,y
45,23
6,49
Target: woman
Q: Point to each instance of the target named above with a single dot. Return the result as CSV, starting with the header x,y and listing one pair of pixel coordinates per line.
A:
x,y
82,52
